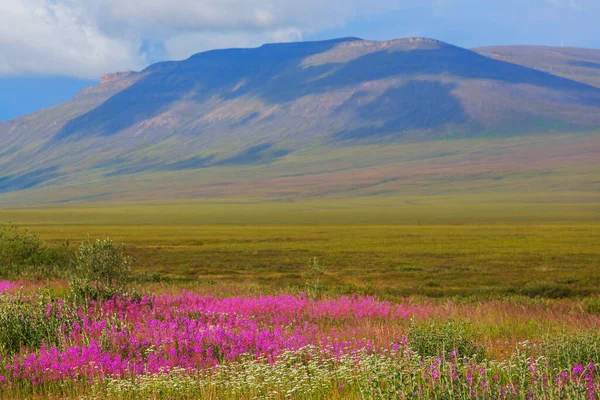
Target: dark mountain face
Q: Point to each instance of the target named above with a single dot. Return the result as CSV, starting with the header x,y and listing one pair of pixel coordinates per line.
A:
x,y
417,105
247,107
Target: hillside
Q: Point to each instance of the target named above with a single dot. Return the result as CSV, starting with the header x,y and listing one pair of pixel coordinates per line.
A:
x,y
345,117
582,65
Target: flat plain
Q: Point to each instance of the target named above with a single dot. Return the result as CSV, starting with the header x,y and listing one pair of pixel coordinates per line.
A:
x,y
391,247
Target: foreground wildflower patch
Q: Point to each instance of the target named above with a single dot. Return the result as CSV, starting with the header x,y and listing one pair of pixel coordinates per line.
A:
x,y
317,373
188,346
122,337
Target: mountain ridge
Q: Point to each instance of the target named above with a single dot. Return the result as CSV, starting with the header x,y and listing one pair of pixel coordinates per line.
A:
x,y
264,69
238,108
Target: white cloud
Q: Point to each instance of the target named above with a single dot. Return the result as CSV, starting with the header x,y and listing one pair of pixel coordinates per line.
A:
x,y
184,45
86,38
189,26
58,38
248,15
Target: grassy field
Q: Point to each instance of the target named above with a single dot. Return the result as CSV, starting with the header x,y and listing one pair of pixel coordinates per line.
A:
x,y
475,297
392,247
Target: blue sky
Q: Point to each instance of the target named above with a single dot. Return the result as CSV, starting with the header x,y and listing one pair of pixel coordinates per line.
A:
x,y
51,49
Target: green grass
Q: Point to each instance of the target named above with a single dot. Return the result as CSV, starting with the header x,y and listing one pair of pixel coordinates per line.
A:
x,y
437,247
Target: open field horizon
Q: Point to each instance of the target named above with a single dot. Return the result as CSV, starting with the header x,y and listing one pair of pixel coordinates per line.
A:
x,y
389,247
529,206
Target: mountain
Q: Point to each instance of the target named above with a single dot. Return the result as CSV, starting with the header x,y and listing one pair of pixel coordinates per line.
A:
x,y
294,116
578,64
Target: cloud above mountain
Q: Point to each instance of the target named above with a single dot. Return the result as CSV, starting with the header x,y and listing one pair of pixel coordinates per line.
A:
x,y
58,38
86,38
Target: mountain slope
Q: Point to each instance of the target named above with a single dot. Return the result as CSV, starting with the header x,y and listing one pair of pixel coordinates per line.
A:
x,y
220,112
582,65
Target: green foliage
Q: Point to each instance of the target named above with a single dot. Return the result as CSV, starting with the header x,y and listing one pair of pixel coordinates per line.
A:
x,y
432,338
546,289
82,292
100,267
24,254
477,261
149,278
313,374
591,305
28,322
566,350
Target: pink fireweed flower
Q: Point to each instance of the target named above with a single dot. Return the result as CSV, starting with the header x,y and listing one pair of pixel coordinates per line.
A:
x,y
577,369
8,286
469,378
190,331
196,333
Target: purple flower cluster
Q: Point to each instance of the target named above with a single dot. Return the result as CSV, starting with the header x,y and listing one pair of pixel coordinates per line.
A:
x,y
8,286
122,337
583,375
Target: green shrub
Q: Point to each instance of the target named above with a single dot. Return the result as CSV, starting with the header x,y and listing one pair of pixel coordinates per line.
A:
x,y
101,266
97,270
149,278
82,292
433,338
25,254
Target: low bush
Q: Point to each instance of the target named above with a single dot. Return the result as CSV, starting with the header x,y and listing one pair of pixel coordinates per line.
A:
x,y
545,289
97,270
24,254
81,293
100,268
432,338
150,278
